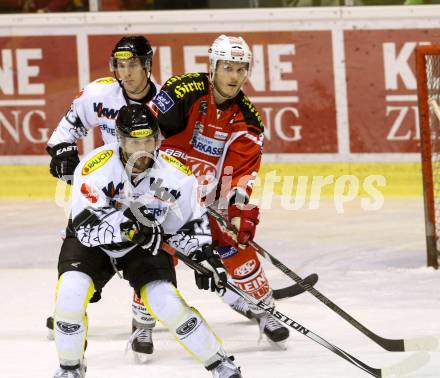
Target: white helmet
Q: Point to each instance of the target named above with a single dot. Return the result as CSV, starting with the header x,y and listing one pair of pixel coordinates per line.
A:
x,y
233,49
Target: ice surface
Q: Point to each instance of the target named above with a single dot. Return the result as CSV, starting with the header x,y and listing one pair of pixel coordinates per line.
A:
x,y
372,264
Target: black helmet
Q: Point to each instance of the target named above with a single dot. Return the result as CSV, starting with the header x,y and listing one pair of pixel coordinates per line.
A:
x,y
132,47
136,121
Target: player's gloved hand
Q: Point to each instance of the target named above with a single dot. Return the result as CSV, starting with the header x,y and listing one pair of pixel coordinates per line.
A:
x,y
64,160
244,217
209,258
205,255
184,243
143,230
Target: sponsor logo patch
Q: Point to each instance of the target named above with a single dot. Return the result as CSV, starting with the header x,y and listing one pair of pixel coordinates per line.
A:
x,y
176,78
181,90
201,167
106,80
187,327
100,111
67,149
175,153
226,252
206,145
163,101
199,127
123,55
220,135
91,195
96,162
68,327
143,133
256,285
245,269
203,108
177,164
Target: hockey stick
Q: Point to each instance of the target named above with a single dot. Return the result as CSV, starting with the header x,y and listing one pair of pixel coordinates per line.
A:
x,y
392,345
295,289
399,369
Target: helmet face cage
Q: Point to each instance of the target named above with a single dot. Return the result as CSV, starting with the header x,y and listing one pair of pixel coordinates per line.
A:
x,y
132,48
231,49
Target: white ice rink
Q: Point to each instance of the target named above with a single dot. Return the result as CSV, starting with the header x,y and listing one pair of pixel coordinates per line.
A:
x,y
372,264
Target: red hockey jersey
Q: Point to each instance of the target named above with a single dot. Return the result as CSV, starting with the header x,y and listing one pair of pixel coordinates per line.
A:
x,y
221,144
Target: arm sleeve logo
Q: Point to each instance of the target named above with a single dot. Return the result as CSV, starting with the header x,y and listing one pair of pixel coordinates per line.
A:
x,y
163,101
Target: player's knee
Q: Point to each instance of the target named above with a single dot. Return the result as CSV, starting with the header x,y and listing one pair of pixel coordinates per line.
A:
x,y
74,291
163,301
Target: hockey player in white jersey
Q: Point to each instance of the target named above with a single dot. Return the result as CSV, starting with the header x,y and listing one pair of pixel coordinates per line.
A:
x,y
127,198
98,105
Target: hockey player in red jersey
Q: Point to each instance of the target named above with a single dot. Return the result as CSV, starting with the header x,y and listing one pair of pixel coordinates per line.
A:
x,y
212,127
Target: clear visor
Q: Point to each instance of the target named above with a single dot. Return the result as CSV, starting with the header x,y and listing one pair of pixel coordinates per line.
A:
x,y
132,145
138,152
134,63
240,69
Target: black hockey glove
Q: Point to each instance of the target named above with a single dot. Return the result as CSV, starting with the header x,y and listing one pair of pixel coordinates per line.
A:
x,y
210,259
64,160
189,245
143,230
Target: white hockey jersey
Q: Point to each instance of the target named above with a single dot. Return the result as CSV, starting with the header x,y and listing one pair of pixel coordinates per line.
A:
x,y
97,105
102,191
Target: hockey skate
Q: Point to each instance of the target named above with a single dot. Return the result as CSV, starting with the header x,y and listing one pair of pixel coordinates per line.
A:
x,y
225,368
141,343
273,329
49,326
247,309
78,372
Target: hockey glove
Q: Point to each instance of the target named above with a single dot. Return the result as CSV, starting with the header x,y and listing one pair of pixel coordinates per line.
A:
x,y
210,259
144,231
245,219
64,160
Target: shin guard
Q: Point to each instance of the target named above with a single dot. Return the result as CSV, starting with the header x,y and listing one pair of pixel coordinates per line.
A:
x,y
165,303
73,293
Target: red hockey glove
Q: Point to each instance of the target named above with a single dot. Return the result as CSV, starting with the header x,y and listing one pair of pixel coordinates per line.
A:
x,y
245,219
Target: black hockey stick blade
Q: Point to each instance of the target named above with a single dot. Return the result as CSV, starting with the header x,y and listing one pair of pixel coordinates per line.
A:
x,y
296,289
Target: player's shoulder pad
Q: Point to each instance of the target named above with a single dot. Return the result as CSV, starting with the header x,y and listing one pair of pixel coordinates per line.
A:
x,y
106,80
97,159
251,116
185,87
176,164
101,86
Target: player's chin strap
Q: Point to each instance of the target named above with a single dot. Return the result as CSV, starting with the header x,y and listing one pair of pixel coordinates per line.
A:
x,y
393,345
410,364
